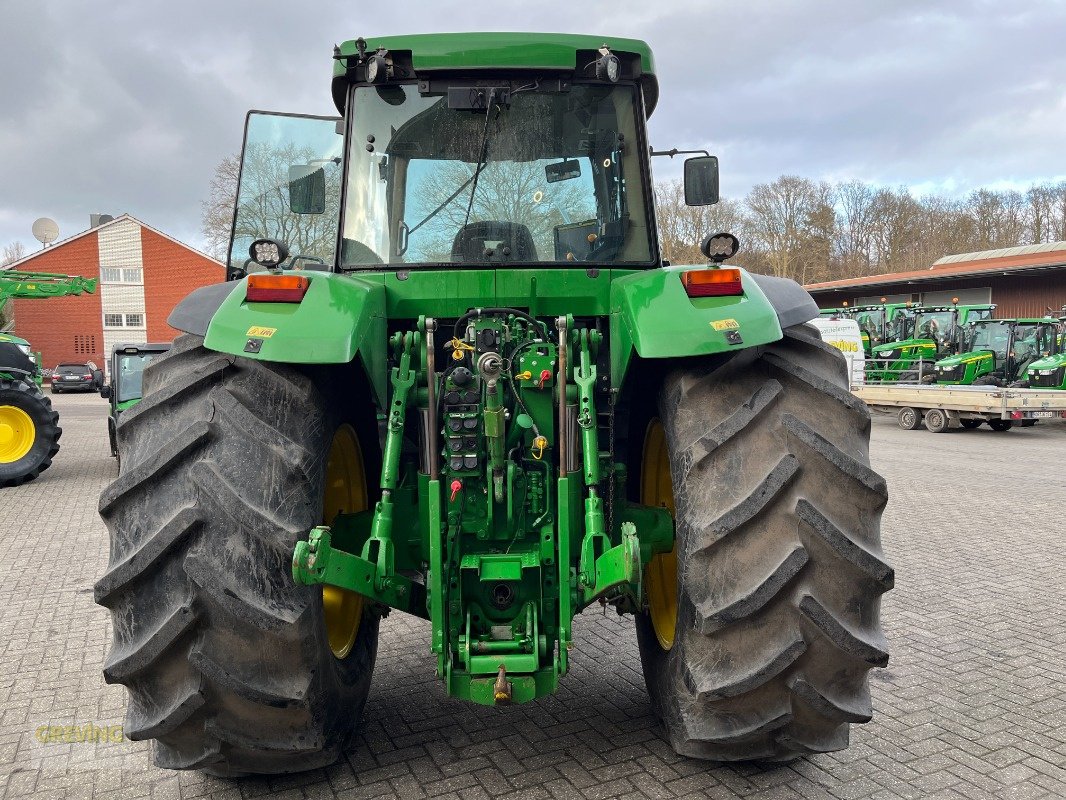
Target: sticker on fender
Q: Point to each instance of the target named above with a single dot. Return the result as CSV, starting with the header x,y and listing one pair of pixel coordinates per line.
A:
x,y
725,324
262,333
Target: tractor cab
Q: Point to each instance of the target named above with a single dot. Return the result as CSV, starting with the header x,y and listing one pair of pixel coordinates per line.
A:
x,y
883,323
125,388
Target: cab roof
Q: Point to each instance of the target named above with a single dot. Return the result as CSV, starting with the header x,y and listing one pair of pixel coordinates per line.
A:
x,y
502,52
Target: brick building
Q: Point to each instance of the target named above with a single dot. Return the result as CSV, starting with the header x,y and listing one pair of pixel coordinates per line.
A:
x,y
143,274
1021,281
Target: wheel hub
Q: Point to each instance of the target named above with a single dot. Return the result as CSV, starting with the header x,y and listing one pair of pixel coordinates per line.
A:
x,y
17,433
660,576
345,491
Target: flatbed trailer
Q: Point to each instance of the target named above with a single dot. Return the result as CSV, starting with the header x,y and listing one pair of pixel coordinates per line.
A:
x,y
942,407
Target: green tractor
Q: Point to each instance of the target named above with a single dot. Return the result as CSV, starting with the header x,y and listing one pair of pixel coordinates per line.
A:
x,y
125,389
888,322
936,333
1049,371
999,352
29,429
453,377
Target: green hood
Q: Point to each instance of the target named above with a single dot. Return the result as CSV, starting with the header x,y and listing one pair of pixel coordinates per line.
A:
x,y
964,358
12,339
906,344
1049,362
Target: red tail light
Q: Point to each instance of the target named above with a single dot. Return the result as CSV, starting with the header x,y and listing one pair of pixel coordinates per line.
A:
x,y
721,282
276,288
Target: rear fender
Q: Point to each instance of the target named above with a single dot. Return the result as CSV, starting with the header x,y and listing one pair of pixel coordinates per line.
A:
x,y
653,317
340,317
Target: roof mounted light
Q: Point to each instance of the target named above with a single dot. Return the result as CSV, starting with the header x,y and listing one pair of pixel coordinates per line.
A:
x,y
268,253
720,246
608,67
377,67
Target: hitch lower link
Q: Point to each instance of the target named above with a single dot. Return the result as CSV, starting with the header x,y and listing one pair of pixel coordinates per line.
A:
x,y
373,572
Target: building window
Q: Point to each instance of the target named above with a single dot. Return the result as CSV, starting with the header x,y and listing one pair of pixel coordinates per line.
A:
x,y
113,320
121,275
135,320
85,345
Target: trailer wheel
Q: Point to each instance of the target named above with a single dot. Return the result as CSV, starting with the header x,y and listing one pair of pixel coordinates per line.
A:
x,y
910,419
763,622
231,667
936,421
1000,425
970,424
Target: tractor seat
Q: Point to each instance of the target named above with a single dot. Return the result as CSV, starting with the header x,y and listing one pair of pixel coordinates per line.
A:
x,y
491,241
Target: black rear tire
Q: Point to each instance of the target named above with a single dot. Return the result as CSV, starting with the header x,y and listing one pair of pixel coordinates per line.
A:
x,y
779,561
225,657
1000,425
28,398
970,424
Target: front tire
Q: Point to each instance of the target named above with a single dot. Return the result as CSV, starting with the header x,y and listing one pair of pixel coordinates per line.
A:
x,y
779,569
226,659
29,432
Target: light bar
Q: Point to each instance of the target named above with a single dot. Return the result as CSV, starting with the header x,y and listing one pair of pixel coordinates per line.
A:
x,y
276,288
722,282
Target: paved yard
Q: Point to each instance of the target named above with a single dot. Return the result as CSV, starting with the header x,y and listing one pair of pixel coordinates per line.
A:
x,y
973,703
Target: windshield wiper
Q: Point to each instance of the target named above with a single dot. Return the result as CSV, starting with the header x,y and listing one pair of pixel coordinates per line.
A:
x,y
481,164
482,156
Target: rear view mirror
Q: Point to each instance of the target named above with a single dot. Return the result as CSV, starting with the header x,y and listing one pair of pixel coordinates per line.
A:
x,y
307,189
701,181
563,171
105,392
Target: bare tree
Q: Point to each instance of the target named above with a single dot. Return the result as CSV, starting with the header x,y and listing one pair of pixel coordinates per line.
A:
x,y
217,210
12,252
682,227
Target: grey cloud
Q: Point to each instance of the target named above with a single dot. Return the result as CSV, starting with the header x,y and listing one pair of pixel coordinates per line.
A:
x,y
129,106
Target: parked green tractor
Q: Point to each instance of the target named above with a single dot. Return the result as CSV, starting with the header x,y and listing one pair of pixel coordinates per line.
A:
x,y
29,430
998,352
125,388
936,333
453,377
1049,371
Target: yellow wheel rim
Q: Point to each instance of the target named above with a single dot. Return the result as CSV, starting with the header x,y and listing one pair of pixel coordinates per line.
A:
x,y
345,491
17,434
660,576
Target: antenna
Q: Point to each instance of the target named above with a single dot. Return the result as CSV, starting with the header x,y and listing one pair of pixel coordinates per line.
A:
x,y
45,230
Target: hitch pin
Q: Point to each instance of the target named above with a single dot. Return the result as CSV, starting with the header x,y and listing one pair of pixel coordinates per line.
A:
x,y
501,690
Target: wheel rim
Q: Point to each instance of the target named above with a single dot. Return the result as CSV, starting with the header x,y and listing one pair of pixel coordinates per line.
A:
x,y
660,576
17,434
345,491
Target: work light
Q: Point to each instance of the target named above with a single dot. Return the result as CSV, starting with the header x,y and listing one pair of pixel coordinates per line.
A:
x,y
268,252
608,67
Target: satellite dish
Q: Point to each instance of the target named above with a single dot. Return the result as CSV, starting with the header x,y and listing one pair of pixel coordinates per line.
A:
x,y
45,230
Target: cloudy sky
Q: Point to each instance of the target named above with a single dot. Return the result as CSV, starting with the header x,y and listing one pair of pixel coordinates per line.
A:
x,y
129,105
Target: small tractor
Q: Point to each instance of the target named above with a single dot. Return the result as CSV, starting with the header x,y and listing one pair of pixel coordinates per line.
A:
x,y
936,333
29,429
1001,352
1049,371
452,376
125,388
